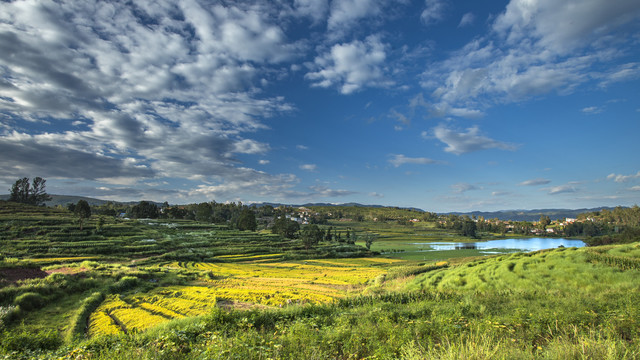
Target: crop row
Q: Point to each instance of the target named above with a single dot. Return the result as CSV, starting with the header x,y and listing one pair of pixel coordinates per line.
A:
x,y
620,262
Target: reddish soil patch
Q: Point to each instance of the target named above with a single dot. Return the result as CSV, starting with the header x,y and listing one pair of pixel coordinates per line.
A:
x,y
14,275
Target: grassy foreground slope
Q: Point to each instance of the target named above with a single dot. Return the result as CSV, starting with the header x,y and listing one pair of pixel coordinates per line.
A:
x,y
555,304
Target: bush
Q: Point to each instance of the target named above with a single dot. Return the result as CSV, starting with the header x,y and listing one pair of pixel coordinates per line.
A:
x,y
29,301
124,284
7,315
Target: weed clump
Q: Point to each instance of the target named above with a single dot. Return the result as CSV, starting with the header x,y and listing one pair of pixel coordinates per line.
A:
x,y
29,301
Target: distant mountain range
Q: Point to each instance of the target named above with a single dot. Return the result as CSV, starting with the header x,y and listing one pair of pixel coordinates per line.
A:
x,y
515,215
531,215
330,204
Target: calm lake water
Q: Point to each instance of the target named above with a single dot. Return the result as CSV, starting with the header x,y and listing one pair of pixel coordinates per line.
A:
x,y
504,245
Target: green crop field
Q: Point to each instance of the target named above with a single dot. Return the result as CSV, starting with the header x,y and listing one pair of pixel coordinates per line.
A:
x,y
178,289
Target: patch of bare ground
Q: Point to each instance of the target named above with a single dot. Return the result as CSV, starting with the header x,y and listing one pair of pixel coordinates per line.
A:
x,y
11,276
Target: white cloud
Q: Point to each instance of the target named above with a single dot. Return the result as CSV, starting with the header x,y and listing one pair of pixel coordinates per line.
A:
x,y
433,11
248,146
352,66
170,85
562,189
592,110
345,13
399,160
635,188
308,167
561,26
316,9
461,188
500,193
623,72
536,47
376,195
254,182
302,147
324,191
623,178
535,182
467,19
264,162
464,142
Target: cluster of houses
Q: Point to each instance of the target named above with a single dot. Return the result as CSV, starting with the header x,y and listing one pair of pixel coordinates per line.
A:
x,y
302,216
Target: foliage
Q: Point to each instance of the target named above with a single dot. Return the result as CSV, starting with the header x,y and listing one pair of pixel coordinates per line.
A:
x,y
286,228
24,340
311,235
369,239
82,210
29,301
24,192
247,221
145,210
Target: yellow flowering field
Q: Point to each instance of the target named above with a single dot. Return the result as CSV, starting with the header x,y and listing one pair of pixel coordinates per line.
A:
x,y
251,281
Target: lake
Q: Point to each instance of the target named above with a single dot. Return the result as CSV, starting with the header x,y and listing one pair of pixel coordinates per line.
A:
x,y
501,246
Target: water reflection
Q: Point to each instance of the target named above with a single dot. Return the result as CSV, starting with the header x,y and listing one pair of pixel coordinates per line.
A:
x,y
466,246
525,245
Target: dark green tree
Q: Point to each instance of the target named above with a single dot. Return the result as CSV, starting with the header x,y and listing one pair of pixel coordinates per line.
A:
x,y
544,222
285,227
100,224
311,236
369,239
145,210
328,236
247,220
82,211
469,228
204,212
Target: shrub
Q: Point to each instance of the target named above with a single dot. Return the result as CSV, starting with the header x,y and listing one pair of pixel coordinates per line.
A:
x,y
7,315
29,301
124,284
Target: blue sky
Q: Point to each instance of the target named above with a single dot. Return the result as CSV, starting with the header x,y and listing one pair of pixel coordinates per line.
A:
x,y
437,104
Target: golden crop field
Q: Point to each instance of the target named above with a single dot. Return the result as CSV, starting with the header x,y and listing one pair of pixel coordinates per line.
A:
x,y
253,282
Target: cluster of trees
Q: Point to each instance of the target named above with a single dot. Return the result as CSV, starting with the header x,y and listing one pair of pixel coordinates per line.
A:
x,y
234,214
619,216
362,213
33,193
607,226
464,225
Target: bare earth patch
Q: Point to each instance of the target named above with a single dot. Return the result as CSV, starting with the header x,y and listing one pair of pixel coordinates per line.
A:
x,y
12,276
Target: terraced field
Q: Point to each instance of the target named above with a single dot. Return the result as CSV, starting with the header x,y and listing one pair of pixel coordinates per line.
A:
x,y
237,284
